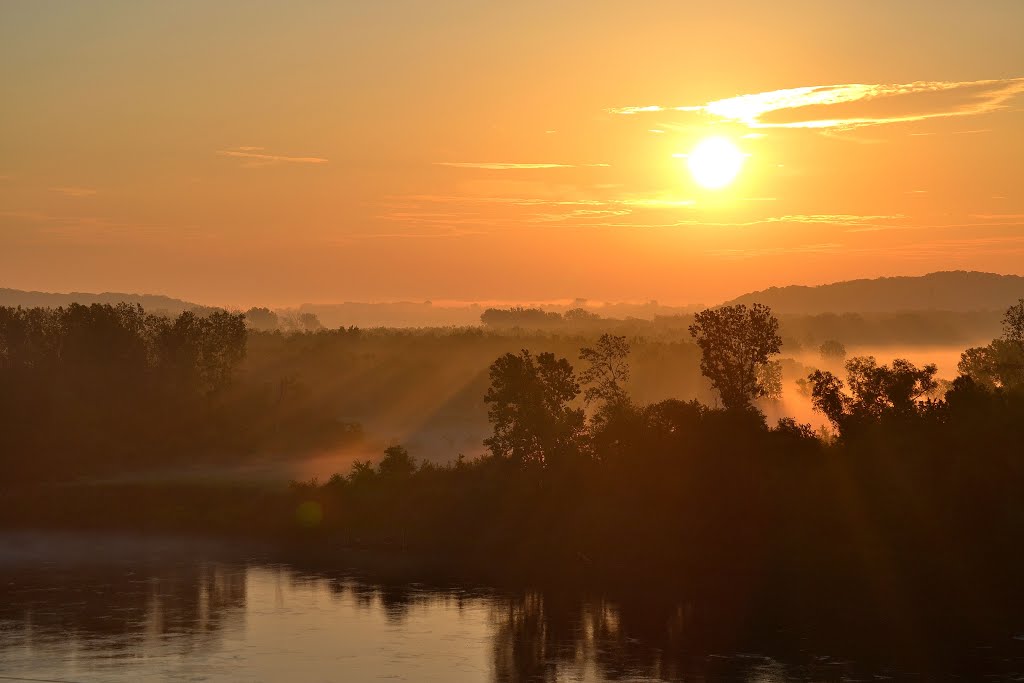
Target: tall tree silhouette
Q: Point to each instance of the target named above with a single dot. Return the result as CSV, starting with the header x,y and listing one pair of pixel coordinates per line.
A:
x,y
529,406
736,343
607,369
1001,363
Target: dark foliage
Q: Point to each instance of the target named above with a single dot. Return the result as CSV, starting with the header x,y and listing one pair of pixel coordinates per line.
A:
x,y
918,498
100,389
736,345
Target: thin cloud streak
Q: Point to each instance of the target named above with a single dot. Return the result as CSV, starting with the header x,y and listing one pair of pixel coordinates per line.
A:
x,y
642,202
809,107
445,232
824,248
255,154
74,191
576,213
517,201
503,166
94,229
866,222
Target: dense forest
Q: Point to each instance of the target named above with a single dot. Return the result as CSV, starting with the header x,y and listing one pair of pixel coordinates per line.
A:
x,y
104,390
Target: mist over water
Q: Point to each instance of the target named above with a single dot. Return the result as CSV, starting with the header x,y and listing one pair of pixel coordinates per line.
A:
x,y
425,422
797,405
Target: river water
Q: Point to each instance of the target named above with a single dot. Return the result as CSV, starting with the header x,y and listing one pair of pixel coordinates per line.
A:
x,y
89,609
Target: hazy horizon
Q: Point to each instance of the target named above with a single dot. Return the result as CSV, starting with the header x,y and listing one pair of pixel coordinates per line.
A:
x,y
553,302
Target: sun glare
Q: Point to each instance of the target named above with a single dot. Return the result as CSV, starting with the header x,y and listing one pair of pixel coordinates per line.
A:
x,y
715,162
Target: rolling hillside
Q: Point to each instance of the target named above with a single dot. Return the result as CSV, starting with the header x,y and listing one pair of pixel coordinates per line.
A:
x,y
943,291
151,302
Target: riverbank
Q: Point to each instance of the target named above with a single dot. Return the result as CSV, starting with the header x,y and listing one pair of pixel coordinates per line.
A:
x,y
916,605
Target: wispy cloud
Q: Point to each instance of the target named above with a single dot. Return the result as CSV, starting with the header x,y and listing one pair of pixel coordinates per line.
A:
x,y
953,132
642,202
853,105
831,218
503,166
999,216
259,157
960,248
655,202
93,229
73,191
432,232
988,221
822,248
517,201
859,222
576,213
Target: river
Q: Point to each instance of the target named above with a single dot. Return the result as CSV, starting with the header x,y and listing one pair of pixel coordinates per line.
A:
x,y
111,609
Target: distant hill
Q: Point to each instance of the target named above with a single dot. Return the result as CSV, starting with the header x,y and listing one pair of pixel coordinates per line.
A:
x,y
944,291
151,302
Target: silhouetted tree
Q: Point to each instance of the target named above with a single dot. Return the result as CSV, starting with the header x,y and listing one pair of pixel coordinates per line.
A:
x,y
876,391
576,315
528,405
1013,323
397,463
735,343
262,319
308,322
607,370
79,381
769,376
202,352
1001,363
980,363
832,351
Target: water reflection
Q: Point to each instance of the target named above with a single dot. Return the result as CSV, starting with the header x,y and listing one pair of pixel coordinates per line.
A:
x,y
60,613
197,618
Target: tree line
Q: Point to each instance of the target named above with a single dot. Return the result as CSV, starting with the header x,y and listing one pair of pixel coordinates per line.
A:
x,y
912,495
105,390
909,507
78,381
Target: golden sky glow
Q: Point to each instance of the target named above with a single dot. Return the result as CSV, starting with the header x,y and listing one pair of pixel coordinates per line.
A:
x,y
248,152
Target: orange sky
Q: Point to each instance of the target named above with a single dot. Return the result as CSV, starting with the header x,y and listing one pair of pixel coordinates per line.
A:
x,y
237,153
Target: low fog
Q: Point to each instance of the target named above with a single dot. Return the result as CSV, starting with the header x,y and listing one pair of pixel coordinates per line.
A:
x,y
315,389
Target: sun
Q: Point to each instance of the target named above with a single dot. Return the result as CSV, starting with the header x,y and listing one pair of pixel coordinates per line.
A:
x,y
715,162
